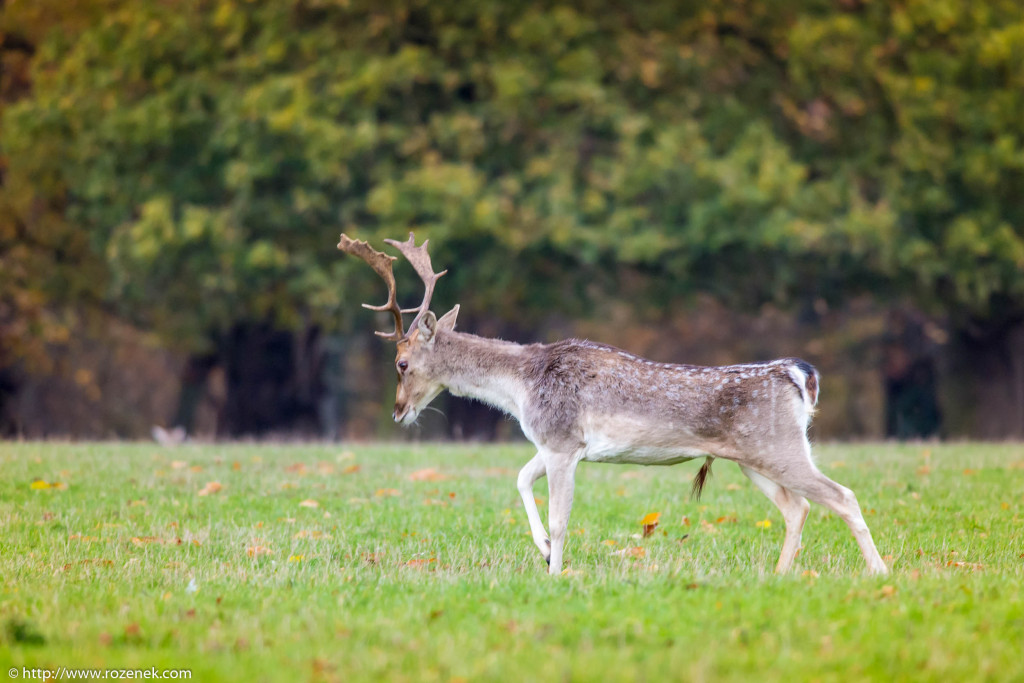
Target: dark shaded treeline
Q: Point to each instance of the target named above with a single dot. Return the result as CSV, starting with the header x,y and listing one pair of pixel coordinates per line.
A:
x,y
174,177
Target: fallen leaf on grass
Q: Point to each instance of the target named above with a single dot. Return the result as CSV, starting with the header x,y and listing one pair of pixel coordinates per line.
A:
x,y
650,522
733,487
296,558
309,503
609,542
631,552
428,474
420,562
811,573
764,524
211,488
387,493
973,566
145,540
350,469
178,464
258,551
40,485
316,535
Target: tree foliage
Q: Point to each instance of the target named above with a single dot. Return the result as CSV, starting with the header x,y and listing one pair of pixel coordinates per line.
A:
x,y
205,154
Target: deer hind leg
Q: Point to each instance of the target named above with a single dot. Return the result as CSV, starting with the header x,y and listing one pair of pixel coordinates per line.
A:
x,y
794,509
530,473
798,474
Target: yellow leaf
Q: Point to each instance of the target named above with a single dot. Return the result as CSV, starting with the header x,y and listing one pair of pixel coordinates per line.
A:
x,y
609,542
145,540
764,524
385,493
296,558
651,518
309,503
39,485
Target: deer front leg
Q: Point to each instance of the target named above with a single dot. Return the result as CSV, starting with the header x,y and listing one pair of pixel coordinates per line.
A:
x,y
530,473
561,482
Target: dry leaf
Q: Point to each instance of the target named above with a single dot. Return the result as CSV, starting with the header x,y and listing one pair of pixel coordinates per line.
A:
x,y
764,524
39,485
631,552
210,488
650,522
145,540
258,551
309,503
386,493
350,469
420,562
609,542
428,474
296,558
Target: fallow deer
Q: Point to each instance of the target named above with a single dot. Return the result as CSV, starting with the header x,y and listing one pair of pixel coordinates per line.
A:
x,y
582,401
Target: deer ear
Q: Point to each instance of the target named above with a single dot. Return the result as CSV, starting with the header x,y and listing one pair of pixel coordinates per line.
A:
x,y
447,321
427,326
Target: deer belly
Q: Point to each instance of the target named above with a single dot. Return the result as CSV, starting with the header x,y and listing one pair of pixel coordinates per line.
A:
x,y
624,441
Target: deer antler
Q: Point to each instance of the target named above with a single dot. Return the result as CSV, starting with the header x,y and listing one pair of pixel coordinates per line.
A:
x,y
420,260
381,263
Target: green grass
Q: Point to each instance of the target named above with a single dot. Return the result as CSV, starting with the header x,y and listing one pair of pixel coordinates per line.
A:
x,y
440,581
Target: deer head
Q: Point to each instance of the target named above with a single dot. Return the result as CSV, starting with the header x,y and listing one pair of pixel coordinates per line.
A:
x,y
415,361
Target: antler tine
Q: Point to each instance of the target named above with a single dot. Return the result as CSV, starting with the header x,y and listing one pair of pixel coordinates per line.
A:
x,y
382,263
420,260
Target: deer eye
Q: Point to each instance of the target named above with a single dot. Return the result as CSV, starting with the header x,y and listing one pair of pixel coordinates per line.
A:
x,y
403,365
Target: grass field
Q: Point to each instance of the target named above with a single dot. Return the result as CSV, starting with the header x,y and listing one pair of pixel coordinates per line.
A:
x,y
323,562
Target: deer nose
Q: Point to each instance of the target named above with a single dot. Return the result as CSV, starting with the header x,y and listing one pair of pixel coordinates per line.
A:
x,y
399,413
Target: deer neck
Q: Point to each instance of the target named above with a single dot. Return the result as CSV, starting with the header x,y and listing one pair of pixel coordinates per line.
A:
x,y
488,370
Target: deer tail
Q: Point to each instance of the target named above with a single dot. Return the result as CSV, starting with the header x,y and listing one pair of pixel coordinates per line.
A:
x,y
701,478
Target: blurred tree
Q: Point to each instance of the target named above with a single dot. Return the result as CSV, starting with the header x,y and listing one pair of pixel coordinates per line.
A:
x,y
207,153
